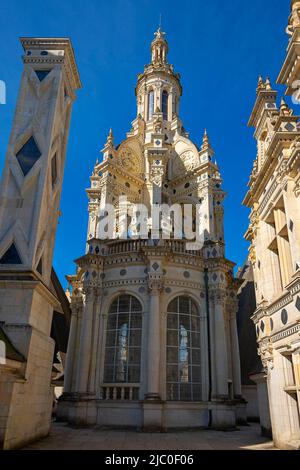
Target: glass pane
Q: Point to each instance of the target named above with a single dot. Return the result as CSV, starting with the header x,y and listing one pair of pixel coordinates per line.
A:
x,y
184,305
135,338
112,321
172,373
124,303
195,323
150,105
114,307
173,306
135,305
172,356
134,356
185,392
165,105
109,356
108,375
172,322
196,356
136,320
195,340
172,338
133,374
110,338
196,374
172,392
184,321
197,392
123,319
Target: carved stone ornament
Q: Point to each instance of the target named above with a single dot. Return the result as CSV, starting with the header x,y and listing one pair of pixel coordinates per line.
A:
x,y
186,161
129,161
294,19
156,175
158,125
266,354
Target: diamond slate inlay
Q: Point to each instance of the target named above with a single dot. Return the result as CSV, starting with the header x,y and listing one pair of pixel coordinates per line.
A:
x,y
155,266
284,317
11,256
41,74
28,155
289,127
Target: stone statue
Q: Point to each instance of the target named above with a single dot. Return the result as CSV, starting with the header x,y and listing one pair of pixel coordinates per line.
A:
x,y
294,19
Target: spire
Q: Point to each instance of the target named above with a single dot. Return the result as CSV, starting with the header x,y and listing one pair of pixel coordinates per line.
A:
x,y
110,138
109,145
268,84
205,141
260,85
284,109
159,48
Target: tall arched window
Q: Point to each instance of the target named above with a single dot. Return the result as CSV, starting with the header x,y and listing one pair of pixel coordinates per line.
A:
x,y
183,351
150,105
123,341
165,97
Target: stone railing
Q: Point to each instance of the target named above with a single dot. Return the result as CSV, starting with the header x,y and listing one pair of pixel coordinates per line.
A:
x,y
128,392
129,246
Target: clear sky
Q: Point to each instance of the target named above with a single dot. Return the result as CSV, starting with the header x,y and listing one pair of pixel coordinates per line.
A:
x,y
219,48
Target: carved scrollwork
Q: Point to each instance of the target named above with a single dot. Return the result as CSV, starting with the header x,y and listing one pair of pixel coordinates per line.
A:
x,y
265,352
187,160
156,175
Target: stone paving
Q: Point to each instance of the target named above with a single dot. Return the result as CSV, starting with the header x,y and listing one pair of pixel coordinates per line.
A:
x,y
64,437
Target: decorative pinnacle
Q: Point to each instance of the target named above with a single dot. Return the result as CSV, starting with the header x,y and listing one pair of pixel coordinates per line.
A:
x,y
205,141
268,84
110,138
284,109
260,85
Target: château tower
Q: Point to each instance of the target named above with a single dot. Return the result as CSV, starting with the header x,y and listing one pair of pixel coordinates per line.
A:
x,y
153,341
29,210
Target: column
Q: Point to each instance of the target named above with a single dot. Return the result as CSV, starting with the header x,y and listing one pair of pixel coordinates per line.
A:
x,y
220,346
235,353
153,350
96,343
85,342
71,351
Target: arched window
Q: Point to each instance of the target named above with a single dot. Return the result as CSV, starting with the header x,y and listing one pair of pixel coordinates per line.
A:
x,y
165,98
183,351
123,341
150,105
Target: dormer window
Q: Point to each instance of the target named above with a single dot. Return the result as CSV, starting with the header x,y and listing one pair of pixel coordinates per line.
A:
x,y
150,105
165,97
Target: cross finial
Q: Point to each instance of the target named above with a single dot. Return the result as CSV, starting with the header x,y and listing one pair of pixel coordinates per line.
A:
x,y
160,21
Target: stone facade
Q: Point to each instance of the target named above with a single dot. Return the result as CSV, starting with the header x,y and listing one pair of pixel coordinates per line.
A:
x,y
164,372
274,233
30,194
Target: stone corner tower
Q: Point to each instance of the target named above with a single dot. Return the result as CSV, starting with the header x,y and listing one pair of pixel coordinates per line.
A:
x,y
30,196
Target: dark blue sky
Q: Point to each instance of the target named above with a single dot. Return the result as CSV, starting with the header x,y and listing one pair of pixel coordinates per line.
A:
x,y
219,48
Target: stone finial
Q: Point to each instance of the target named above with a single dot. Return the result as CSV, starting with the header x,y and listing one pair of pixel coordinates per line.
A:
x,y
268,84
260,85
110,138
284,109
205,141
